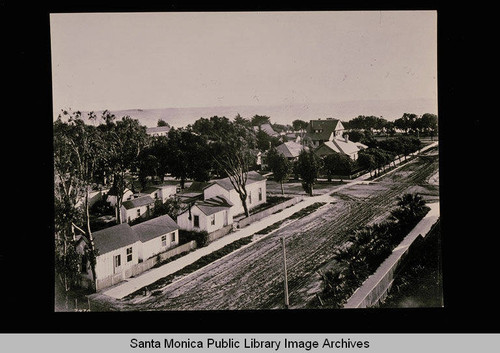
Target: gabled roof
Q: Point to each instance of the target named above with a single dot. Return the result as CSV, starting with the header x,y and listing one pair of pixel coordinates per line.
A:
x,y
114,238
155,227
342,146
252,177
290,149
318,136
214,205
328,124
326,128
138,202
197,186
268,129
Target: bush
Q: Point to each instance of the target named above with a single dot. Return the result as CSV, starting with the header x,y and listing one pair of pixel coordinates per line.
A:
x,y
368,247
200,237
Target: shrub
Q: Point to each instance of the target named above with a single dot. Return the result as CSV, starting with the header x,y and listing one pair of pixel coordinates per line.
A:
x,y
368,247
201,237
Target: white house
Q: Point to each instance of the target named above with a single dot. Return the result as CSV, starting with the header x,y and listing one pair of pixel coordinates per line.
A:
x,y
156,235
160,192
112,198
158,130
118,249
136,208
340,145
209,215
291,150
319,131
255,187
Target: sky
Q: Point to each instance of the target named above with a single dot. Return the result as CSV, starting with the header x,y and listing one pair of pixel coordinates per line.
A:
x,y
203,59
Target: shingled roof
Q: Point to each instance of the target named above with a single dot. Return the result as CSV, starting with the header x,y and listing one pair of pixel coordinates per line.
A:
x,y
252,177
140,201
342,145
155,227
114,237
290,149
214,205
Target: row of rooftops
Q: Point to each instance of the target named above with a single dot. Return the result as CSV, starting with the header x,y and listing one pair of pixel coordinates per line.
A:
x,y
194,194
121,235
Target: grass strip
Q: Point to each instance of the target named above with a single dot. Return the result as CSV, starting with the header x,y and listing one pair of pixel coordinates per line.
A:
x,y
201,262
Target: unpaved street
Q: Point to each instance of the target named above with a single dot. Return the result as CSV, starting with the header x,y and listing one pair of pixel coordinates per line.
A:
x,y
252,278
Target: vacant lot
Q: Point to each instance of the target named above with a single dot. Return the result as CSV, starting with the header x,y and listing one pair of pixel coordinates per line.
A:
x,y
252,278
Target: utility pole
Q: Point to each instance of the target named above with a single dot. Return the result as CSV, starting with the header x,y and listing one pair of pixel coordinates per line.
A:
x,y
284,272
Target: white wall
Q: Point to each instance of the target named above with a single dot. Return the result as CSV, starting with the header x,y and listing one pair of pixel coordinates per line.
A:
x,y
154,246
113,199
205,221
167,191
132,213
105,262
252,197
215,190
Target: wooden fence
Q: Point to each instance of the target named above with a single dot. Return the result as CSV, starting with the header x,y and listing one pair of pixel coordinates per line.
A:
x,y
143,266
375,288
268,211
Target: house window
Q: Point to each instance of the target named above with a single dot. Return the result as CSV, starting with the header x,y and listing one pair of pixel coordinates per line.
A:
x,y
260,194
172,237
212,219
129,254
196,221
156,195
163,240
118,260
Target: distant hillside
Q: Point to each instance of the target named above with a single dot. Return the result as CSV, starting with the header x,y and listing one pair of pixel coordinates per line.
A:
x,y
285,114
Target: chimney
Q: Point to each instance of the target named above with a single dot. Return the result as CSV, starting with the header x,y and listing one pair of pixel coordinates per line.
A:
x,y
346,136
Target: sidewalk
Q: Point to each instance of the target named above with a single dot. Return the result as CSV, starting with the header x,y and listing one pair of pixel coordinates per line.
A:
x,y
130,285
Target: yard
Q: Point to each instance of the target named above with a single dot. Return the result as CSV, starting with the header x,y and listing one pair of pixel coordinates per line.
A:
x,y
252,277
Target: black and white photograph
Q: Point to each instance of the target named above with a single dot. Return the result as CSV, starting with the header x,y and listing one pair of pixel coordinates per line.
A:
x,y
246,160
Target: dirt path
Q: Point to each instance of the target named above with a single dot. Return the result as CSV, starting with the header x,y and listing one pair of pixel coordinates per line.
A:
x,y
252,278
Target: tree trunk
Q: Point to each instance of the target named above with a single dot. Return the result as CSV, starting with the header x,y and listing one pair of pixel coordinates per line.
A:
x,y
244,203
282,191
92,255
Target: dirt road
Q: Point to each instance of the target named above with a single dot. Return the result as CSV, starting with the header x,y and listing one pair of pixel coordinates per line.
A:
x,y
252,278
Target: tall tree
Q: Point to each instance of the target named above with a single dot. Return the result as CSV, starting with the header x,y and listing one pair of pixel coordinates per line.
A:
x,y
258,120
308,167
337,164
78,149
188,156
125,139
299,125
231,150
280,166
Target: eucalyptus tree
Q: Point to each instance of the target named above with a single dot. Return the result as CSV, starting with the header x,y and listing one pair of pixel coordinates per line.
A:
x,y
123,142
78,150
231,146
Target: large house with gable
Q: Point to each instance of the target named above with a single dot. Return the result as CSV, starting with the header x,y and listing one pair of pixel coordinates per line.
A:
x,y
212,205
327,137
319,131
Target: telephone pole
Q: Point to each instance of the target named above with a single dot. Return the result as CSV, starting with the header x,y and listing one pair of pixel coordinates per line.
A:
x,y
284,272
